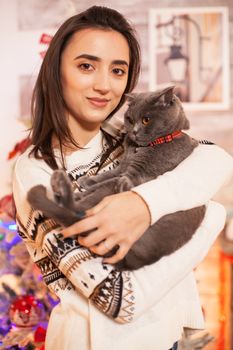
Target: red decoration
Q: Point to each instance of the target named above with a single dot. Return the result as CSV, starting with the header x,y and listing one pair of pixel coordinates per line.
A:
x,y
224,292
26,311
39,335
165,139
45,39
19,148
7,206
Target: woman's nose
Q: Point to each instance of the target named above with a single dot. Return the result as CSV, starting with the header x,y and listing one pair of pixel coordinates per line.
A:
x,y
102,82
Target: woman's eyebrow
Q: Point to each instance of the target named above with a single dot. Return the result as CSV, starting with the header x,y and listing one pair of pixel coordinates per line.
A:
x,y
89,57
98,59
121,62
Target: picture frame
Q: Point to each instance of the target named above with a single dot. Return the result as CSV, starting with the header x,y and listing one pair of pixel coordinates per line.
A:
x,y
189,48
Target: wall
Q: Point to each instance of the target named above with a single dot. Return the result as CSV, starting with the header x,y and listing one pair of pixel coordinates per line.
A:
x,y
17,46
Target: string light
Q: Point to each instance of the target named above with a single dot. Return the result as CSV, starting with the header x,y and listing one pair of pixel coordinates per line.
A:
x,y
225,260
11,226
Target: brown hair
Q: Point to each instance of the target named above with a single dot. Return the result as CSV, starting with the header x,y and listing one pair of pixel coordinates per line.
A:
x,y
48,105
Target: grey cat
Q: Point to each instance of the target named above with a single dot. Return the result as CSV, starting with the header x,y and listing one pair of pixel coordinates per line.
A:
x,y
147,154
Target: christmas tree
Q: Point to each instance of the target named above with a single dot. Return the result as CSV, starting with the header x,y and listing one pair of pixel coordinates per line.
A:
x,y
25,301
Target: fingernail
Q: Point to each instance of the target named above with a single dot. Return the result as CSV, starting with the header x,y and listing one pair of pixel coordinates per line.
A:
x,y
81,214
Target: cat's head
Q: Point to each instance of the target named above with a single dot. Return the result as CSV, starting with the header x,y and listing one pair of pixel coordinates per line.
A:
x,y
153,114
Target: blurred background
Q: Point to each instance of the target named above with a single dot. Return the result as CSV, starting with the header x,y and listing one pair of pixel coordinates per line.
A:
x,y
185,42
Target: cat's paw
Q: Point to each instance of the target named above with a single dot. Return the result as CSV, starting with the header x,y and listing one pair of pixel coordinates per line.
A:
x,y
86,181
123,184
78,196
36,195
61,186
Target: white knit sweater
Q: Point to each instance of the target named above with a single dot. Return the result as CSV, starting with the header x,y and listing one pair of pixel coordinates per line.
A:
x,y
101,308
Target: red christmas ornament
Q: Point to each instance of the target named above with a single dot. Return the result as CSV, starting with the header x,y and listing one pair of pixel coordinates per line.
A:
x,y
45,39
39,335
26,311
7,206
19,148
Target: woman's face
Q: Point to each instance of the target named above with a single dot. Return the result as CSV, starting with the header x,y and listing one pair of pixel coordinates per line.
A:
x,y
94,74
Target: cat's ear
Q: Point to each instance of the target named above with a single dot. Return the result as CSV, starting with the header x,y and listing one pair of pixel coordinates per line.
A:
x,y
163,97
167,96
186,125
130,97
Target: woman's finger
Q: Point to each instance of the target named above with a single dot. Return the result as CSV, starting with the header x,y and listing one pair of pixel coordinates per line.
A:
x,y
92,239
98,207
105,246
82,226
90,222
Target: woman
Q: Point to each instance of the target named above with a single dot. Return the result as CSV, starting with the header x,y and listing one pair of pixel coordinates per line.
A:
x,y
92,61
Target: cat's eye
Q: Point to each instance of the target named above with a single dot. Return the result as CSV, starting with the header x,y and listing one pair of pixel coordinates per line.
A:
x,y
145,120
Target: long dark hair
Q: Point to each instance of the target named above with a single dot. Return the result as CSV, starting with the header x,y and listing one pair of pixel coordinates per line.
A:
x,y
48,105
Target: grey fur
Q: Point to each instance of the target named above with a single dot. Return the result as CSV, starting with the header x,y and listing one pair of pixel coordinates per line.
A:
x,y
140,163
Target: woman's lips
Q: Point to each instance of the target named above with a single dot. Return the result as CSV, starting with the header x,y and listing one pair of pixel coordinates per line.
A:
x,y
98,102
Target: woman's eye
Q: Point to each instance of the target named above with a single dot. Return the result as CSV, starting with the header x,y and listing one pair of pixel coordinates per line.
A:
x,y
86,66
118,71
145,120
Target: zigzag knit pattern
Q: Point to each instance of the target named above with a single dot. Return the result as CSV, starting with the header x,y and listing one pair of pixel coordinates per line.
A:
x,y
67,266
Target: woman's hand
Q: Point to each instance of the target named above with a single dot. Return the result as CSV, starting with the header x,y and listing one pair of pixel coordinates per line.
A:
x,y
119,219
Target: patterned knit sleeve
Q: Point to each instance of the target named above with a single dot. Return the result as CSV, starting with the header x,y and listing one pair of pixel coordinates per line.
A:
x,y
124,296
109,289
64,264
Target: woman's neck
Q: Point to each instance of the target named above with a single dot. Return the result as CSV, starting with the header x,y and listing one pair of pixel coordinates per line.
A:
x,y
82,133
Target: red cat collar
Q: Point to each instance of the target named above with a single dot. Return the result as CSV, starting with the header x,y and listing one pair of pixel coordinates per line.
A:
x,y
165,139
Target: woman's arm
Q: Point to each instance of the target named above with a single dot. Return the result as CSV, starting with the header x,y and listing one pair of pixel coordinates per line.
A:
x,y
192,183
111,291
122,218
152,283
124,296
64,259
115,292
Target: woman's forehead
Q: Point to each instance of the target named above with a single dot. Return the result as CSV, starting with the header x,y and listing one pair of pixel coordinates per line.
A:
x,y
105,44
